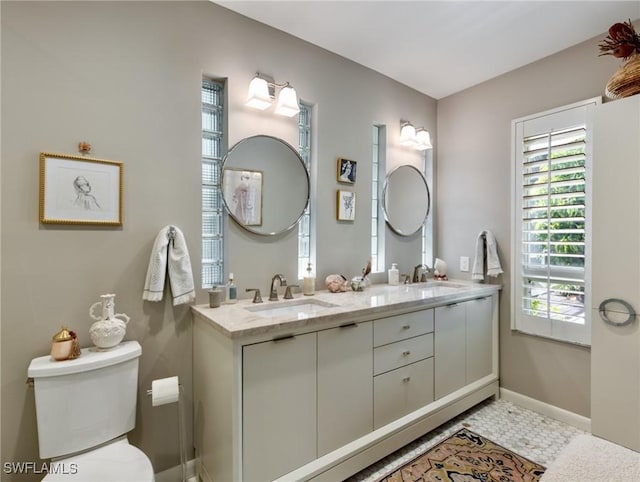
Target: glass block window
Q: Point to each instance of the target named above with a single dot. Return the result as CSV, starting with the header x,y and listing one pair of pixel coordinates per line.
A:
x,y
212,206
427,227
377,220
304,225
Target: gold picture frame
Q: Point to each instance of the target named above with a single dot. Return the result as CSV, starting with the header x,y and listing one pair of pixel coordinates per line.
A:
x,y
345,205
80,190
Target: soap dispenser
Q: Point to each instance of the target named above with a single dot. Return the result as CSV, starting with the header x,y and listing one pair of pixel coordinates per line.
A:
x,y
394,274
231,290
309,282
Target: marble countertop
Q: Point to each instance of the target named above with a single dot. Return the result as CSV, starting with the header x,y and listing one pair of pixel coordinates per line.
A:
x,y
245,318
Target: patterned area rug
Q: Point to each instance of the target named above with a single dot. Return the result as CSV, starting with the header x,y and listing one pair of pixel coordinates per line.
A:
x,y
467,457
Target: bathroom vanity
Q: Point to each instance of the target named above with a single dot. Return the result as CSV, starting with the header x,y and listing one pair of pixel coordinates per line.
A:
x,y
320,387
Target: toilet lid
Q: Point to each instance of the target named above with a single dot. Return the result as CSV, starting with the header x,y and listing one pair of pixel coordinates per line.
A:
x,y
116,462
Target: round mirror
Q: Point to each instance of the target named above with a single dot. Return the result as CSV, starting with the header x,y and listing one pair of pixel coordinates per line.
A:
x,y
406,200
265,185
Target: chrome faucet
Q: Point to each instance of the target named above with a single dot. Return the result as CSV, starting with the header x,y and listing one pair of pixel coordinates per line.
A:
x,y
273,295
420,273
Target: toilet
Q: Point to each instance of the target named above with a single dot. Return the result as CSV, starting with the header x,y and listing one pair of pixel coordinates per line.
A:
x,y
84,408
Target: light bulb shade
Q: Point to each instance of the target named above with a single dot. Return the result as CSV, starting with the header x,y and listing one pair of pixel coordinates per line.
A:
x,y
287,102
424,140
408,135
258,96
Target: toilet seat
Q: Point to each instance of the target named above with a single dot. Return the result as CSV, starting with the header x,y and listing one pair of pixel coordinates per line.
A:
x,y
117,461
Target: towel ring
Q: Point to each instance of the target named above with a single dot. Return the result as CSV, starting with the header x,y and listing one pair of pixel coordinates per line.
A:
x,y
602,309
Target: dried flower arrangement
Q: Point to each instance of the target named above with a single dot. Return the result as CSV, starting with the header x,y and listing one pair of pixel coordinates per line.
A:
x,y
622,41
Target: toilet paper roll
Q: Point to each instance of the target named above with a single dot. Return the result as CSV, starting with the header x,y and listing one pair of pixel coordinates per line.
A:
x,y
164,390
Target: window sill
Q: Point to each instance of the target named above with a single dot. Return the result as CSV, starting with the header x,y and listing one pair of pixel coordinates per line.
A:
x,y
550,338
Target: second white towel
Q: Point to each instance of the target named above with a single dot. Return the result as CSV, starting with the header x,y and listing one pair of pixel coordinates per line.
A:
x,y
486,247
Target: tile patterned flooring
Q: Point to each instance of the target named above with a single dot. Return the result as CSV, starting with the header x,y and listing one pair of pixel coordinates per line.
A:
x,y
535,436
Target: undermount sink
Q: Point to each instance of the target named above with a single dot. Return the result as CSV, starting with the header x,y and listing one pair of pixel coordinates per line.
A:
x,y
300,308
446,284
435,288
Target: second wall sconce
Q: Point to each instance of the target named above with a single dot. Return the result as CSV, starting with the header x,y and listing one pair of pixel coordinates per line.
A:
x,y
411,137
262,93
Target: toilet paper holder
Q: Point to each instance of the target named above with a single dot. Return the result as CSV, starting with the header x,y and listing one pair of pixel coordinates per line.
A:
x,y
171,391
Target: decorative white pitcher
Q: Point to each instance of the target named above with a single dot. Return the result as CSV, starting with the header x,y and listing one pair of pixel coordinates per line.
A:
x,y
110,328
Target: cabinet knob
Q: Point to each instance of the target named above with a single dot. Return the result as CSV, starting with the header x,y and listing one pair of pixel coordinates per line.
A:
x,y
406,327
406,353
406,379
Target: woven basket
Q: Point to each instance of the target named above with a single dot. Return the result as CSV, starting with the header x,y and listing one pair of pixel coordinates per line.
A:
x,y
626,80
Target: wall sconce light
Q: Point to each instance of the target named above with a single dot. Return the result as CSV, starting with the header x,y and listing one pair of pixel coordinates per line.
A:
x,y
416,138
262,93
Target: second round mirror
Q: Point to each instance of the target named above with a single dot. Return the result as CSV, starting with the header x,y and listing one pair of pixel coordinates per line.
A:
x,y
406,200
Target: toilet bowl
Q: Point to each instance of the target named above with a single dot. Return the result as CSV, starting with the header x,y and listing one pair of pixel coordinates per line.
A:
x,y
84,409
115,461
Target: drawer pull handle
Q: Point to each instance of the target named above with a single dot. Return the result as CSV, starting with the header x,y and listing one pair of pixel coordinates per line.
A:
x,y
406,327
282,338
349,325
406,353
406,379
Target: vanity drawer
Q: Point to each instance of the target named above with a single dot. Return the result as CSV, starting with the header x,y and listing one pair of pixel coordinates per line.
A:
x,y
395,355
401,391
400,327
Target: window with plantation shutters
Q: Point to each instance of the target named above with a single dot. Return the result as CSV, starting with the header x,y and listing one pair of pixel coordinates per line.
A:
x,y
552,159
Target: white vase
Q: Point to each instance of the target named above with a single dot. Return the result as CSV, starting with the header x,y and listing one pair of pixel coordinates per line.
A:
x,y
110,328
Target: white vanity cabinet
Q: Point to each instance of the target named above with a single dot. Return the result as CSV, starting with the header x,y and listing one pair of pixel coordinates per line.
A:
x,y
345,364
402,365
278,406
323,397
463,344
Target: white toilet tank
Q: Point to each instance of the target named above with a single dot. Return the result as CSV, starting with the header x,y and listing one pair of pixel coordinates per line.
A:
x,y
87,401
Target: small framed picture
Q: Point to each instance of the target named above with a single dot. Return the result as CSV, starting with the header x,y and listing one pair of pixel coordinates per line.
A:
x,y
80,190
346,170
242,189
346,205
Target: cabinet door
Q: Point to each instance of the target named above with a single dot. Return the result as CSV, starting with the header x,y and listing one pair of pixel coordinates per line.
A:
x,y
345,385
449,349
479,338
615,350
401,391
278,406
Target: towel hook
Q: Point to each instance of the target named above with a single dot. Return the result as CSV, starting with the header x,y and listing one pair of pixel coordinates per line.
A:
x,y
171,235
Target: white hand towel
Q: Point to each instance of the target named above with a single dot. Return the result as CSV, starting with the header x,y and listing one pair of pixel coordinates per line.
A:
x,y
172,256
493,261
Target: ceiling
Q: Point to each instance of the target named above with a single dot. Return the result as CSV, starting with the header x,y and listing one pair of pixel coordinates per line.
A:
x,y
440,47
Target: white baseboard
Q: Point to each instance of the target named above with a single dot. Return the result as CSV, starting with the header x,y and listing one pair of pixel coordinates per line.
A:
x,y
174,474
551,411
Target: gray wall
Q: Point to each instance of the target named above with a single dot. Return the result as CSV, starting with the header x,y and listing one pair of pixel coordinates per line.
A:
x,y
474,193
125,76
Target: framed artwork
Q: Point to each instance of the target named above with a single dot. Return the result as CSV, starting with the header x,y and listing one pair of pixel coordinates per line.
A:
x,y
242,190
346,170
346,205
80,190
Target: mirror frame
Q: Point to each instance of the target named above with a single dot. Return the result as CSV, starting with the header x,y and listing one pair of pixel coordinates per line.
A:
x,y
393,228
228,208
